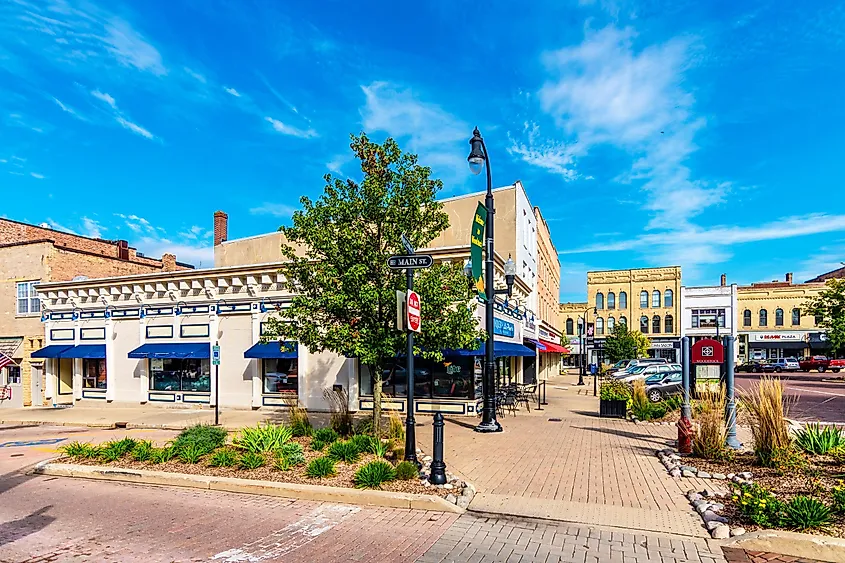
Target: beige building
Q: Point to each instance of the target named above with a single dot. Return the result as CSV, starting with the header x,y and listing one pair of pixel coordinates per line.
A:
x,y
551,345
646,299
772,322
32,255
571,320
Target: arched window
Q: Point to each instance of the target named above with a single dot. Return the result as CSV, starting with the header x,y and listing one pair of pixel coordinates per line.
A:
x,y
655,299
623,321
668,324
611,301
570,327
764,317
655,324
644,299
644,324
611,322
796,316
623,300
599,325
746,317
668,298
778,317
599,300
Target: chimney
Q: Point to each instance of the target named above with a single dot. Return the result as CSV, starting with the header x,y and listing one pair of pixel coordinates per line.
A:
x,y
168,262
221,227
724,280
122,250
788,277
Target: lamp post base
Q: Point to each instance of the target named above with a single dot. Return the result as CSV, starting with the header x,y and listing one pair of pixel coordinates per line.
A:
x,y
581,379
486,427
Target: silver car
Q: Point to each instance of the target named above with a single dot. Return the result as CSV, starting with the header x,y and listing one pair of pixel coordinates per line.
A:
x,y
645,371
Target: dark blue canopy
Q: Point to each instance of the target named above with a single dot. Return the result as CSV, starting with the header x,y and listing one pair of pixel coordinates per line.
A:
x,y
173,350
273,350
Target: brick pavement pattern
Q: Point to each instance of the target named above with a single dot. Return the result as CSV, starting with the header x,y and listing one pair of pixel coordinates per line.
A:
x,y
737,555
475,539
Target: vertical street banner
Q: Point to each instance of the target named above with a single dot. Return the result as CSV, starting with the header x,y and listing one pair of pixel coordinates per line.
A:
x,y
476,247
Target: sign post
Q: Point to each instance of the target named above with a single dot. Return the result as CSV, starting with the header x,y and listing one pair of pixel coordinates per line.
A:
x,y
215,361
731,440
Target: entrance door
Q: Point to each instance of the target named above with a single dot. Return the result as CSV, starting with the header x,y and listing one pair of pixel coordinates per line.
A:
x,y
529,369
65,377
36,382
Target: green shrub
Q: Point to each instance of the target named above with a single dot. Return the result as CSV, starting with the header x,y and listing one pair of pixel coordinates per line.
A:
x,y
406,470
758,505
838,496
816,440
380,449
299,423
364,427
282,464
251,460
673,403
142,450
295,458
291,448
267,438
162,455
204,436
372,475
346,452
317,445
79,450
641,406
614,390
223,458
325,435
806,513
321,467
116,449
788,460
362,442
191,453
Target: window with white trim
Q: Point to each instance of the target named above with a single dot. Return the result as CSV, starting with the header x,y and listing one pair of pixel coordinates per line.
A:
x,y
27,298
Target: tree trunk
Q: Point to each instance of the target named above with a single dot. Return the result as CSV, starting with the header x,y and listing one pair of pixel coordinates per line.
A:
x,y
375,375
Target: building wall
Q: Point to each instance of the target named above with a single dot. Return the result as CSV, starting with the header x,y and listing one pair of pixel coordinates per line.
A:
x,y
261,249
526,244
709,298
548,274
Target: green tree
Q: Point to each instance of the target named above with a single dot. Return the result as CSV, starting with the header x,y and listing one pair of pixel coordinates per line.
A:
x,y
620,344
829,308
643,343
336,266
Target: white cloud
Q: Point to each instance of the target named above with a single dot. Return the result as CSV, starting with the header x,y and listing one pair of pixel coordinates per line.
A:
x,y
68,109
336,164
130,49
137,224
274,209
103,97
37,176
232,91
195,75
556,157
120,118
135,128
290,130
50,224
196,233
92,228
200,255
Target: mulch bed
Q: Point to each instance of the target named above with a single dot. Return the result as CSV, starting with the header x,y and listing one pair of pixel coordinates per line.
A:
x,y
821,474
343,478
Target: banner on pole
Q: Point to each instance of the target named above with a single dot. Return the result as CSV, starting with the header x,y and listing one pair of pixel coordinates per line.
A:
x,y
476,247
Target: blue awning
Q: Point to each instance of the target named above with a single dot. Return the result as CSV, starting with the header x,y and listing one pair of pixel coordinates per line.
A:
x,y
92,351
273,350
173,350
51,351
500,350
536,343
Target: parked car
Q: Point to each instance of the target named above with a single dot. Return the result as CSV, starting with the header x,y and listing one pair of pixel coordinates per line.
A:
x,y
810,363
755,366
631,364
646,371
785,364
836,365
661,386
622,365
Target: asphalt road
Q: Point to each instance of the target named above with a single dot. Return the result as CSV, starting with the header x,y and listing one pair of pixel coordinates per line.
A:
x,y
811,397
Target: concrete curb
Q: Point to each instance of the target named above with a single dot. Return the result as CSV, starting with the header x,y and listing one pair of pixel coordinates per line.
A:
x,y
55,423
318,493
792,544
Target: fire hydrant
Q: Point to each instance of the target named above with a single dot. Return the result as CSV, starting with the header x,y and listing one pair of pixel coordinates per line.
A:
x,y
685,432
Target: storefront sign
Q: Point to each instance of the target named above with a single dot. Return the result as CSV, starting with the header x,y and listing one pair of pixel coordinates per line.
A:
x,y
707,351
156,364
661,346
546,335
777,336
503,328
476,247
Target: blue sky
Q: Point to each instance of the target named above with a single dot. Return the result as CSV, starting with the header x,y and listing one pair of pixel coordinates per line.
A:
x,y
705,134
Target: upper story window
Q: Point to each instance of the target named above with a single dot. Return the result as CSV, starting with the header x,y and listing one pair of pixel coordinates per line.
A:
x,y
669,324
599,325
644,299
611,322
623,321
708,318
611,300
655,324
668,298
746,317
599,300
796,316
623,300
570,327
27,298
655,299
764,317
644,324
778,317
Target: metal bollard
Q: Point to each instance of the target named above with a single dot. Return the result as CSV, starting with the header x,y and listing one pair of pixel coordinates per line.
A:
x,y
438,468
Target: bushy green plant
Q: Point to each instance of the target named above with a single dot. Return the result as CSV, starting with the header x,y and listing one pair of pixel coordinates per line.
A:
x,y
806,513
251,460
816,440
295,458
317,445
788,460
299,423
641,406
838,453
291,448
267,438
373,474
204,437
325,435
362,442
380,448
614,390
838,499
364,426
116,449
79,450
162,455
223,458
406,470
282,463
321,467
345,451
142,450
191,453
758,505
672,403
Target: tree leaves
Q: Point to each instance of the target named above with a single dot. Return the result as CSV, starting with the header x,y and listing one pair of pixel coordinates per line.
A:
x,y
829,307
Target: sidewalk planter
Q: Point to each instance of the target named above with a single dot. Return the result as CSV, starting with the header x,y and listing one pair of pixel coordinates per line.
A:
x,y
614,408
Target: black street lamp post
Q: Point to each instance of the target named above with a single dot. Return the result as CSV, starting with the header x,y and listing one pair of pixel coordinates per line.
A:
x,y
582,371
478,159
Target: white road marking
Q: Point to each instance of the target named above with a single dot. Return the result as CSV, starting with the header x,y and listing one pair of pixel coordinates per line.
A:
x,y
815,391
289,538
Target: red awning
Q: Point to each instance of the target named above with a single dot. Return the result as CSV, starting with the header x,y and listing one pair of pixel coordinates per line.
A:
x,y
552,348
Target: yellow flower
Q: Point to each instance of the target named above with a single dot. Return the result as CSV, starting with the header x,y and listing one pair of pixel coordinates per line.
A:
x,y
747,494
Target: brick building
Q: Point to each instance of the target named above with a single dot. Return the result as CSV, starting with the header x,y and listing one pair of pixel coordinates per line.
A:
x,y
32,254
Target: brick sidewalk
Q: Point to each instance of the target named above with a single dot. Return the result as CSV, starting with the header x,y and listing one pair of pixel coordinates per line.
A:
x,y
736,555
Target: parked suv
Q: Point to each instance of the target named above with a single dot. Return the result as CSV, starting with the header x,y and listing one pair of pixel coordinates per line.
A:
x,y
646,371
785,364
629,365
658,387
836,365
819,363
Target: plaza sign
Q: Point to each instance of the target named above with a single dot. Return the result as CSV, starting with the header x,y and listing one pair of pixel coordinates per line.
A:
x,y
777,336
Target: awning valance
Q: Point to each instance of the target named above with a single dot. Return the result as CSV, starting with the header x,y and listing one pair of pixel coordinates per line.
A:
x,y
90,351
200,350
273,350
552,348
51,351
500,350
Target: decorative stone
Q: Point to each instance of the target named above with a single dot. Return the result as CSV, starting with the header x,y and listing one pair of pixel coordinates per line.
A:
x,y
451,498
703,475
745,475
463,501
426,484
710,516
427,459
689,468
449,486
737,532
719,476
730,476
717,507
675,472
712,525
693,496
721,532
703,507
687,473
708,493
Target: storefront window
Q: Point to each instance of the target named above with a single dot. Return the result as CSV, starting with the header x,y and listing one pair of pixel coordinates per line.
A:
x,y
94,374
280,375
171,374
451,378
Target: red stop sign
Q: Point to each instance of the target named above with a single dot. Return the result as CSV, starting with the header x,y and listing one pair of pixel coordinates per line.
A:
x,y
413,311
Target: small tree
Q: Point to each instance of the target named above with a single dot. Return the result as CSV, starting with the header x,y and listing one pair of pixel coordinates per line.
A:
x,y
344,292
829,308
643,343
620,344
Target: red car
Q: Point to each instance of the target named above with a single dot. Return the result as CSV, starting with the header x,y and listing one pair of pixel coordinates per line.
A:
x,y
810,363
836,365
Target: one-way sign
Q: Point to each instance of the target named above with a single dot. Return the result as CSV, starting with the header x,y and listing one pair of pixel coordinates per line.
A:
x,y
412,261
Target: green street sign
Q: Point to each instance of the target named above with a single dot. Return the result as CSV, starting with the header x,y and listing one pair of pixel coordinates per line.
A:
x,y
215,355
476,248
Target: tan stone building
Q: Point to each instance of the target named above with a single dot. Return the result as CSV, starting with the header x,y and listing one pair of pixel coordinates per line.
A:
x,y
30,255
571,320
646,299
548,301
772,322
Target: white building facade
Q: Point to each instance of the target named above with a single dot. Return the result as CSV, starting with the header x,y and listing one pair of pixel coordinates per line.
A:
x,y
709,312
